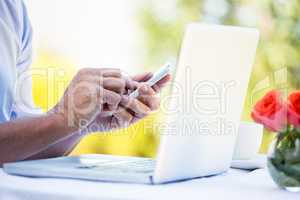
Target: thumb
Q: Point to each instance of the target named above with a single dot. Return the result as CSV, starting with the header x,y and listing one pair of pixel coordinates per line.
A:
x,y
142,77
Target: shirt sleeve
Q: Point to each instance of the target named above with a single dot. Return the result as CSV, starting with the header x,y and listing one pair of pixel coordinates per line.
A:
x,y
25,37
24,105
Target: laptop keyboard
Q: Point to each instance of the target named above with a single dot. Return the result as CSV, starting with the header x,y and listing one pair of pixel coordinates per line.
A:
x,y
123,166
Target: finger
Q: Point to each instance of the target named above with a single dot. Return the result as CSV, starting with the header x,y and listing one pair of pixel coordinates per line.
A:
x,y
135,119
104,72
142,89
148,97
115,84
124,117
161,83
130,83
109,97
143,77
135,106
118,85
112,73
152,102
145,89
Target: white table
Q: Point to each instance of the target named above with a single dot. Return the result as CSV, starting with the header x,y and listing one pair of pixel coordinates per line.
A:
x,y
235,184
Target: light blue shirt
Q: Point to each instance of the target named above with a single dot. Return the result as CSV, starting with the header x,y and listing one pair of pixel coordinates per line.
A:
x,y
15,60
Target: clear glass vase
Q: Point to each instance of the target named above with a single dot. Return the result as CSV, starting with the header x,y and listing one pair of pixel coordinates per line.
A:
x,y
284,160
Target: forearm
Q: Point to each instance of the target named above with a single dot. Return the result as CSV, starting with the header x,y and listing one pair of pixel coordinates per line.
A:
x,y
60,148
23,138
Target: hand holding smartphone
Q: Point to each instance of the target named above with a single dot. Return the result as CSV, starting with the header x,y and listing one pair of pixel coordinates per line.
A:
x,y
157,76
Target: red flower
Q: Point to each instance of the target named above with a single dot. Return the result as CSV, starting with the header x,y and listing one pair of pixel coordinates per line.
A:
x,y
294,108
271,111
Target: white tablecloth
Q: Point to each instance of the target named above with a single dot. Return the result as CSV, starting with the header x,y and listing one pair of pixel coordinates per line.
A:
x,y
235,184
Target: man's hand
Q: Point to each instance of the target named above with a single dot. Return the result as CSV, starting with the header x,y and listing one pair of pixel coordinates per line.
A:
x,y
92,92
94,97
131,110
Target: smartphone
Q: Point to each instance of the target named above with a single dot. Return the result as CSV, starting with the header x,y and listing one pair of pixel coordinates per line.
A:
x,y
157,76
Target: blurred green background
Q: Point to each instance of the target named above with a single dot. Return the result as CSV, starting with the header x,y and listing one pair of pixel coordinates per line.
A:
x,y
159,27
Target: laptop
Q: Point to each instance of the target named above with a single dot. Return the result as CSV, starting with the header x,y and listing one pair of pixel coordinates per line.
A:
x,y
202,115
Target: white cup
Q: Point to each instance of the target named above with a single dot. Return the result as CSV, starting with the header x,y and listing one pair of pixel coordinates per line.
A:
x,y
248,140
